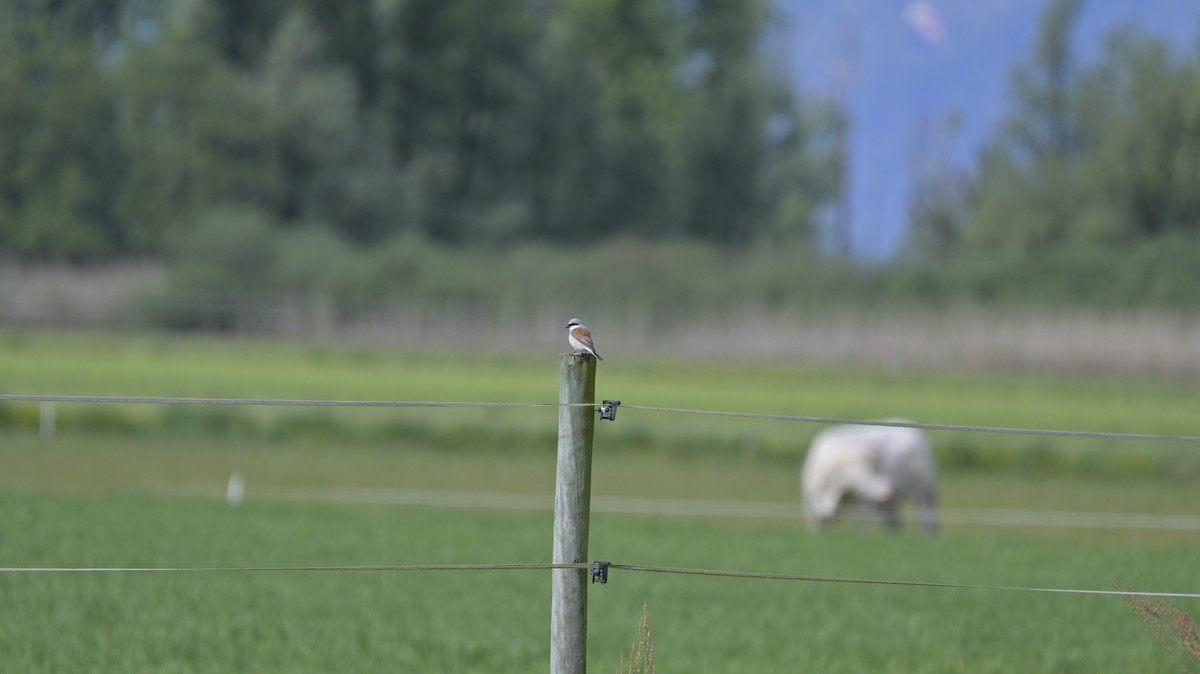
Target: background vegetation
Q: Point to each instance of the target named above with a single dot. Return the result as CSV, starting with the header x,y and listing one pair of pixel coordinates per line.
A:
x,y
367,152
455,122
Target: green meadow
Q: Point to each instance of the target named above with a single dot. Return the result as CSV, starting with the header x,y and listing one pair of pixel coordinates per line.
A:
x,y
146,366
488,621
141,486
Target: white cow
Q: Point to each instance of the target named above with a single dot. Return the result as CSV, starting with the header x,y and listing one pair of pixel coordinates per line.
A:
x,y
873,465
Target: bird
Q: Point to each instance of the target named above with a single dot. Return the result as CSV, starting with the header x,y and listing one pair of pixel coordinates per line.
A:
x,y
581,338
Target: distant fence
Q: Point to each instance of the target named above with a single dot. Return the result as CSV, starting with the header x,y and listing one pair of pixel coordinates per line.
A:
x,y
1157,343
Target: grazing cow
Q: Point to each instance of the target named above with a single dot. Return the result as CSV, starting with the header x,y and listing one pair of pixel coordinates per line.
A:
x,y
874,465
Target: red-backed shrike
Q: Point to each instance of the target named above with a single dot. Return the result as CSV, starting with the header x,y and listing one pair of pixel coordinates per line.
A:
x,y
581,338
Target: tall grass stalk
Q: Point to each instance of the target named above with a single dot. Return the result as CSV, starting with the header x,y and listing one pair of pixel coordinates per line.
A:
x,y
641,653
1176,630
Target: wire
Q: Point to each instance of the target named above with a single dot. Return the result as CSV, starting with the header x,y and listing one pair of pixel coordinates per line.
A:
x,y
229,569
675,410
269,401
902,583
583,566
928,427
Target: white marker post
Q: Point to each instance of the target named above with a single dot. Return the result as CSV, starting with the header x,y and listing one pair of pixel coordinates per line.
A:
x,y
47,424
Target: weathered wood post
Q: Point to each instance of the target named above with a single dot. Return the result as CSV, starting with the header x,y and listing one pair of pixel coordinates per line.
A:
x,y
572,509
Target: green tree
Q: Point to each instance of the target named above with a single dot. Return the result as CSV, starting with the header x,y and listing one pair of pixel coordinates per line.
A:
x,y
451,78
461,121
1141,106
1027,200
238,30
663,119
1099,156
1088,192
607,121
724,143
942,198
196,132
59,162
336,164
352,38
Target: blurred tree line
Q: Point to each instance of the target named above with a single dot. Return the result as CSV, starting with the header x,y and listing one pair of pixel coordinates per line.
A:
x,y
467,148
1091,189
128,124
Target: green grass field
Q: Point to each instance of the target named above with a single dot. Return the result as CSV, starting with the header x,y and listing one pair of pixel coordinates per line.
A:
x,y
487,621
111,490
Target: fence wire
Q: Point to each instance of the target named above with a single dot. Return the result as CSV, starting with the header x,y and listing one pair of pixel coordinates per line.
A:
x,y
260,569
583,566
159,400
929,427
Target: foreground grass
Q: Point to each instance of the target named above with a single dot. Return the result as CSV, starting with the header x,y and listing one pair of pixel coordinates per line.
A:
x,y
498,621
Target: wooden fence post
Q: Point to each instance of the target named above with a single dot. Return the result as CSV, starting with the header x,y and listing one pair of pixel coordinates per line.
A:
x,y
572,509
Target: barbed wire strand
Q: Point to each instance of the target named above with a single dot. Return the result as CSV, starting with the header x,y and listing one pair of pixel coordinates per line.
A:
x,y
674,410
588,566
